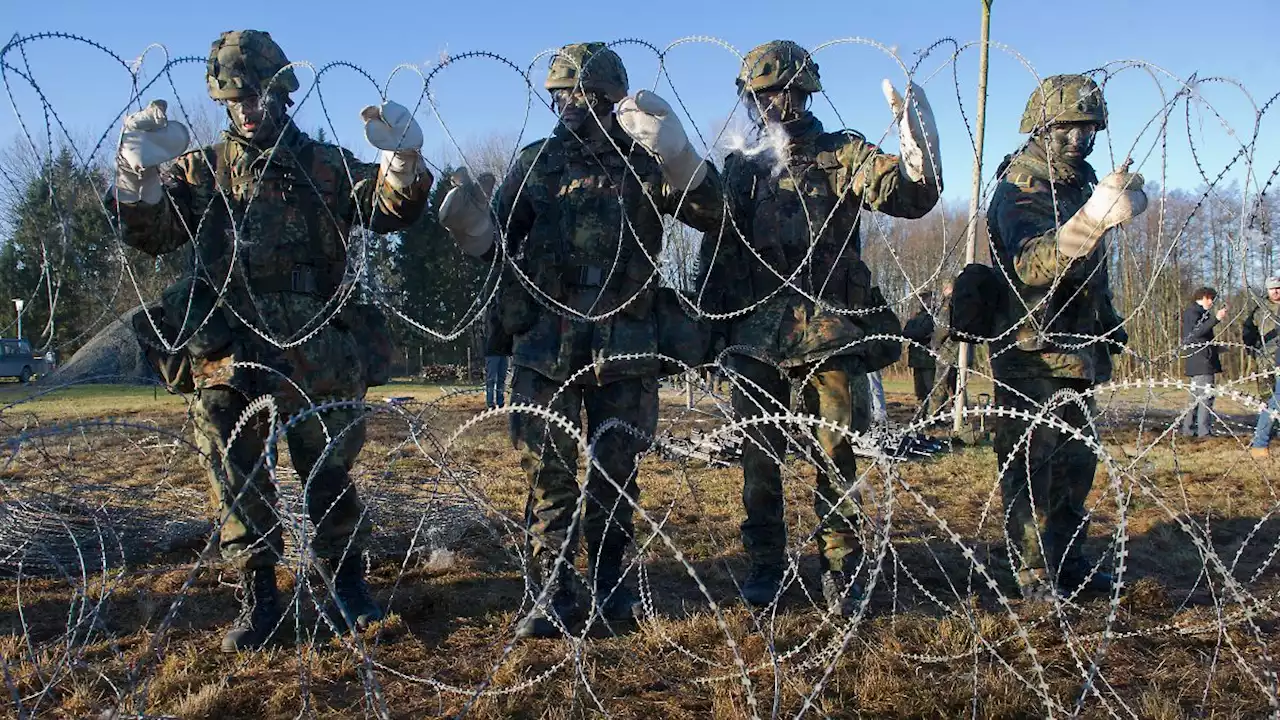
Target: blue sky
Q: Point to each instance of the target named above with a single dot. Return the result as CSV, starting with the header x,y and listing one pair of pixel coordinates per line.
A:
x,y
481,97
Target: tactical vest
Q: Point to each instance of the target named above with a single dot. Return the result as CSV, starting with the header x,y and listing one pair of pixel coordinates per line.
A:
x,y
289,240
1065,316
804,223
593,214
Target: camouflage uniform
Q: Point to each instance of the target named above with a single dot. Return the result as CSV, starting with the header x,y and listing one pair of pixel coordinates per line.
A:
x,y
800,223
1053,309
269,230
947,348
920,358
582,217
292,207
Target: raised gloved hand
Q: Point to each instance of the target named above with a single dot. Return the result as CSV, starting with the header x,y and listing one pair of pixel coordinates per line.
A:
x,y
651,122
1118,198
391,128
465,214
149,140
919,154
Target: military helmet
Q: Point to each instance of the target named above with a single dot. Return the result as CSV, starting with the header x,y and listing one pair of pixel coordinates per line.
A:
x,y
778,65
591,66
243,63
1064,98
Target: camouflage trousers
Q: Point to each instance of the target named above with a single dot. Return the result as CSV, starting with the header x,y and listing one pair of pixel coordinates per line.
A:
x,y
832,393
549,458
1046,474
245,496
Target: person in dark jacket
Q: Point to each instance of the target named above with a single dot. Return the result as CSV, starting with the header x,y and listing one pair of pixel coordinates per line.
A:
x,y
919,330
1200,357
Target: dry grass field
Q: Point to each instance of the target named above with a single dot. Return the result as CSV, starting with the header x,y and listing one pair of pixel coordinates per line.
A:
x,y
1193,634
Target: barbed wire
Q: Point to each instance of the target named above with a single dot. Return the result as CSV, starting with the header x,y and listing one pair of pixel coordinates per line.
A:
x,y
110,570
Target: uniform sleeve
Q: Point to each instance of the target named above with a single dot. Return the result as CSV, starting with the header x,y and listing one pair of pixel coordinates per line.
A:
x,y
375,204
1271,340
511,204
1023,213
1272,336
169,224
941,330
702,207
722,259
877,178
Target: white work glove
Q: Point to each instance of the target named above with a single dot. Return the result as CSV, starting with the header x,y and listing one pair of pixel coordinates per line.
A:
x,y
465,214
651,122
149,140
391,128
919,155
1118,198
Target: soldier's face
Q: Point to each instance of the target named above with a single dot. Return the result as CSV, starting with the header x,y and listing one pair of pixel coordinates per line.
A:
x,y
258,118
776,106
1273,294
580,110
1071,141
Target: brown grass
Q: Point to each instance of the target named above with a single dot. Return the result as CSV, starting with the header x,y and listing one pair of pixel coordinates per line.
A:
x,y
1173,656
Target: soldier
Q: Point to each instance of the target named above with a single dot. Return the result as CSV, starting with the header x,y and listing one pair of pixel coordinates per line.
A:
x,y
919,330
1264,341
787,273
581,217
268,211
947,348
1048,218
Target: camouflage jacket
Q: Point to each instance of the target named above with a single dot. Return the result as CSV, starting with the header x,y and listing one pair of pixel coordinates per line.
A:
x,y
947,348
1054,307
583,221
270,231
795,226
1264,337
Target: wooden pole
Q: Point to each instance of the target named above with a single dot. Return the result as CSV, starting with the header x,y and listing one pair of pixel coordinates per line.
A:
x,y
970,251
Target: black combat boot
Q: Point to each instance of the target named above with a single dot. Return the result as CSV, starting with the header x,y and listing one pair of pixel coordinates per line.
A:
x,y
842,595
612,597
259,611
559,605
1075,576
764,580
353,606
